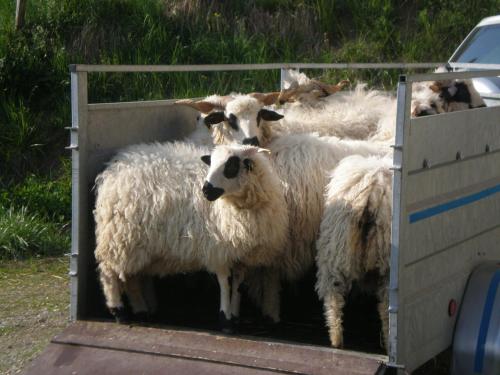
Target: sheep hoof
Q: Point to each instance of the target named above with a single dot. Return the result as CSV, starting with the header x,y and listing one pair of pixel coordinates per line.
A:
x,y
227,325
120,314
337,342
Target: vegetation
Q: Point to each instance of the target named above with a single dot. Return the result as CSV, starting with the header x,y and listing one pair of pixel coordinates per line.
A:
x,y
34,78
35,307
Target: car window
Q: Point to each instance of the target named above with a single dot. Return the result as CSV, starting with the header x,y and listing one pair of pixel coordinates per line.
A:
x,y
483,47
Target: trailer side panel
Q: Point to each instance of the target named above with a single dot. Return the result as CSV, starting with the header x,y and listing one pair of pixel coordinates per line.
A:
x,y
449,222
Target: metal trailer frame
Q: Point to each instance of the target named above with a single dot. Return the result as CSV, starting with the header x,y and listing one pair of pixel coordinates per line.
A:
x,y
89,153
424,149
446,218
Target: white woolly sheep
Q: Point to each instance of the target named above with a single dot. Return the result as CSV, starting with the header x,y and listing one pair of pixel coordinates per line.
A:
x,y
200,135
352,114
431,98
243,119
302,162
153,217
344,115
354,241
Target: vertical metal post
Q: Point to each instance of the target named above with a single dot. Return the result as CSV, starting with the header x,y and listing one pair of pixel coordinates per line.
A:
x,y
79,108
285,74
402,100
20,12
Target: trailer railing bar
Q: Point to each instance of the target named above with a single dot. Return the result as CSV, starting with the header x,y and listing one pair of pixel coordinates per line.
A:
x,y
474,66
237,67
451,75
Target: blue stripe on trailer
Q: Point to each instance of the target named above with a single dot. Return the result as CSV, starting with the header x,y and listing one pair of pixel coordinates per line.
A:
x,y
440,208
485,322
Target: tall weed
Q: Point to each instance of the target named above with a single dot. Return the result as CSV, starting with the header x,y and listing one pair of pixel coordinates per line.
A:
x,y
24,235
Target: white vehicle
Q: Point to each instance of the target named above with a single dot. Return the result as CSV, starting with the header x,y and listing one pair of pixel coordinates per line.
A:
x,y
481,46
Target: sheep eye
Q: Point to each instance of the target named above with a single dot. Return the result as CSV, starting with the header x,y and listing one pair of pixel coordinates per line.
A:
x,y
233,121
433,106
232,167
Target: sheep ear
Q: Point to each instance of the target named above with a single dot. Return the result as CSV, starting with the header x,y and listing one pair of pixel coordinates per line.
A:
x,y
206,159
268,115
332,89
266,99
248,163
264,150
214,118
203,107
436,87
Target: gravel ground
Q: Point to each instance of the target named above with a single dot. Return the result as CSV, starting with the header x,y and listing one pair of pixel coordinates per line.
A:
x,y
34,306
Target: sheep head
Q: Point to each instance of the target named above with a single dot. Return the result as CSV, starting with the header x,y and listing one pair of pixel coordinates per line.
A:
x,y
430,98
244,120
232,168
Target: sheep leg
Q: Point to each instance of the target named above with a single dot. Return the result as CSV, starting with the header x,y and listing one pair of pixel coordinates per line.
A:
x,y
333,304
383,310
225,305
150,295
271,296
111,287
134,290
238,276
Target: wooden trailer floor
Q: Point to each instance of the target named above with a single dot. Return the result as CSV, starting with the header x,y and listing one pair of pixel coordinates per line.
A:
x,y
100,347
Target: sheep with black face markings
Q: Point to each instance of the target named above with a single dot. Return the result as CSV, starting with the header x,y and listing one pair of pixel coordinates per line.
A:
x,y
243,118
153,217
302,163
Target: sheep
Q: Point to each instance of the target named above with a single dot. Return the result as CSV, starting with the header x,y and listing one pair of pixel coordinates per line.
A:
x,y
343,115
300,89
301,162
431,98
243,119
354,241
154,218
200,136
352,114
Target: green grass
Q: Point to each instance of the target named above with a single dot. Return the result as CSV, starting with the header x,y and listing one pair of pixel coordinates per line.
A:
x,y
35,304
25,235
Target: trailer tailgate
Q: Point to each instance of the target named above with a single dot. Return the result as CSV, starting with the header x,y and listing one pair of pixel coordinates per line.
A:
x,y
99,347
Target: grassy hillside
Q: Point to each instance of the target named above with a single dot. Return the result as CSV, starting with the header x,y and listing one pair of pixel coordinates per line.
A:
x,y
34,79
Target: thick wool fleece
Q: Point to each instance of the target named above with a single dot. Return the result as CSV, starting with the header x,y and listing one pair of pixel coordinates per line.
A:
x,y
354,114
151,217
302,162
354,236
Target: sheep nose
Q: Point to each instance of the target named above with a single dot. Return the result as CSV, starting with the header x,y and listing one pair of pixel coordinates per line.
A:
x,y
251,141
423,112
210,192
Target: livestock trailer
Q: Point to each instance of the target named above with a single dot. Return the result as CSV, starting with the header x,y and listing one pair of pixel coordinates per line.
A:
x,y
446,222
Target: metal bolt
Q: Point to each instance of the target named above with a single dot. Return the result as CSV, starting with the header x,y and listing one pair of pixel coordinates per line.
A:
x,y
458,156
425,164
487,148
